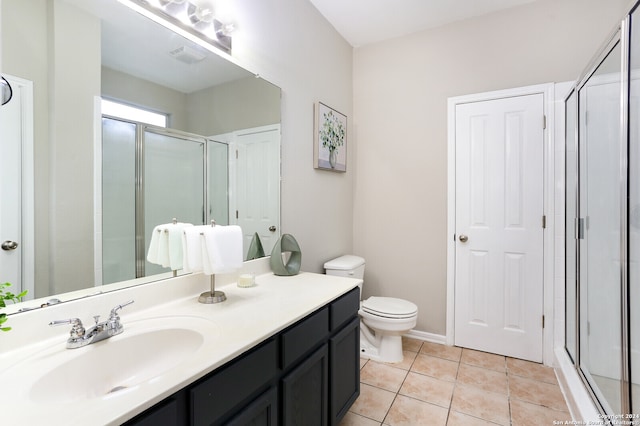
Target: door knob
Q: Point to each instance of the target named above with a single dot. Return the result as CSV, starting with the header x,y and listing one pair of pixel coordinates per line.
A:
x,y
9,245
272,228
463,238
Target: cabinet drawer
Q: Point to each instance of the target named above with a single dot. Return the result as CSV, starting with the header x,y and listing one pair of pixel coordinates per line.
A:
x,y
220,393
304,336
344,308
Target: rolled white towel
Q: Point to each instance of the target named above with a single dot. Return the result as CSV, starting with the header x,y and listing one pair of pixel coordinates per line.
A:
x,y
221,249
175,247
152,254
163,247
192,252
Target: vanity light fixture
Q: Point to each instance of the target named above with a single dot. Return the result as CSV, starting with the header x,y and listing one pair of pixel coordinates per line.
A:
x,y
190,18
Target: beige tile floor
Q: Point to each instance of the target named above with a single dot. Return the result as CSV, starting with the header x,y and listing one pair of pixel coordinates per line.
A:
x,y
442,385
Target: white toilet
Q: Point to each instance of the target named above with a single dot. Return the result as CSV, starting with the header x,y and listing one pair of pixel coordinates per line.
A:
x,y
383,320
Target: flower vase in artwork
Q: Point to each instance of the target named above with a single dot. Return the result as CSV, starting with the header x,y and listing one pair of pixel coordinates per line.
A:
x,y
332,135
333,157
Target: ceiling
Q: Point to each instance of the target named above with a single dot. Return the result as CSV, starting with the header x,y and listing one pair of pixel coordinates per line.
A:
x,y
363,22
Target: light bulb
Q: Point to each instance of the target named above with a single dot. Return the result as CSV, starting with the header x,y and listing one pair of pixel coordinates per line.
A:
x,y
203,10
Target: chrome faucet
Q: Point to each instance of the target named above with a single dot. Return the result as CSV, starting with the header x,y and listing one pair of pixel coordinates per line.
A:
x,y
79,337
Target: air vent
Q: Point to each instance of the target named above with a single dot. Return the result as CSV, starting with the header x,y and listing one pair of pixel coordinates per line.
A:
x,y
187,55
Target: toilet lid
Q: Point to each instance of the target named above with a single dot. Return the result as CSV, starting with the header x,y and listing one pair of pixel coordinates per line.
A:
x,y
389,307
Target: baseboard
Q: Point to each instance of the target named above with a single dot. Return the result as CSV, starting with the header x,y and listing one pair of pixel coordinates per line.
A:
x,y
427,337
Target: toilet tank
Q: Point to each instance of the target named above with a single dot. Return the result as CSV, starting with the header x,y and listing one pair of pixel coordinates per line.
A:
x,y
346,266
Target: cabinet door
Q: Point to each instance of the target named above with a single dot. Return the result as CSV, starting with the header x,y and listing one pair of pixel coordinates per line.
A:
x,y
167,412
305,392
219,395
344,381
263,411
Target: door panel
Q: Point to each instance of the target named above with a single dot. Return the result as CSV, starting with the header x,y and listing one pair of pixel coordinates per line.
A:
x,y
499,209
256,179
11,122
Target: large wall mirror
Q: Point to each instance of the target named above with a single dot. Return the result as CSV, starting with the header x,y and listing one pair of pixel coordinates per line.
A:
x,y
94,184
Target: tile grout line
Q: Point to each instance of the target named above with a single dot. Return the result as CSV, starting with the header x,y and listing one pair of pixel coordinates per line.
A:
x,y
456,383
399,388
506,369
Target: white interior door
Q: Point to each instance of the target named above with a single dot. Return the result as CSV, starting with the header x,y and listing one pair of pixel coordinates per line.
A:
x,y
10,188
257,176
16,188
499,231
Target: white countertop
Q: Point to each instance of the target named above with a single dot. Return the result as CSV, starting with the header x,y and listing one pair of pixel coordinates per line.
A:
x,y
246,318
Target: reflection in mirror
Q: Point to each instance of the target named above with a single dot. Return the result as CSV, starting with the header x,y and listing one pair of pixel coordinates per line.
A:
x,y
5,91
101,183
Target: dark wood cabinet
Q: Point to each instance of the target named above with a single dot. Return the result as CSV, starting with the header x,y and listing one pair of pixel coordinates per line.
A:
x,y
344,368
305,392
263,411
308,374
233,385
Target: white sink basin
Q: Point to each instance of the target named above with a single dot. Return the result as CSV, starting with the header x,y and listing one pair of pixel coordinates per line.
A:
x,y
142,354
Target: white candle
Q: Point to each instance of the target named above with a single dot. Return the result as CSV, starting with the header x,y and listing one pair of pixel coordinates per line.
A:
x,y
246,280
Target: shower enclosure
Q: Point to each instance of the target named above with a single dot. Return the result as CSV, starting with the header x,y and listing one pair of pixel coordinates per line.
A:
x,y
602,241
151,175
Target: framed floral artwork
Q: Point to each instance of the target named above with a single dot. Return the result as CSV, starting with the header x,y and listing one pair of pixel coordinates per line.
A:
x,y
330,139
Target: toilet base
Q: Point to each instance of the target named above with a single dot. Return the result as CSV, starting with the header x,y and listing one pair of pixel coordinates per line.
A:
x,y
388,348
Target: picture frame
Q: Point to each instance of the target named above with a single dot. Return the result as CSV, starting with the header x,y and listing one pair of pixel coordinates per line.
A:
x,y
330,139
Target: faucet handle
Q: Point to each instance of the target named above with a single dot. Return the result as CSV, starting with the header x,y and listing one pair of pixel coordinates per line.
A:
x,y
114,311
77,329
113,325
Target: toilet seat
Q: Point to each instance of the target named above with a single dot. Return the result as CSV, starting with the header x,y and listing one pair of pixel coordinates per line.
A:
x,y
389,307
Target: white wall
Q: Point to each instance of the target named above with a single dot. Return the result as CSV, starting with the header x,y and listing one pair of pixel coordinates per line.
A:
x,y
241,104
400,98
126,88
289,43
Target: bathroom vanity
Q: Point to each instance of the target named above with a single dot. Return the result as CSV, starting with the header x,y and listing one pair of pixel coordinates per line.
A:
x,y
285,351
306,374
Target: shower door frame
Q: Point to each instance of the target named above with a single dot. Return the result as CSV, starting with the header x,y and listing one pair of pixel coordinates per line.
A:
x,y
620,35
140,243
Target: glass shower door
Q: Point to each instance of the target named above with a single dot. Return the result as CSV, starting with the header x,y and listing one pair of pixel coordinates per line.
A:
x,y
118,200
218,179
600,212
174,183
